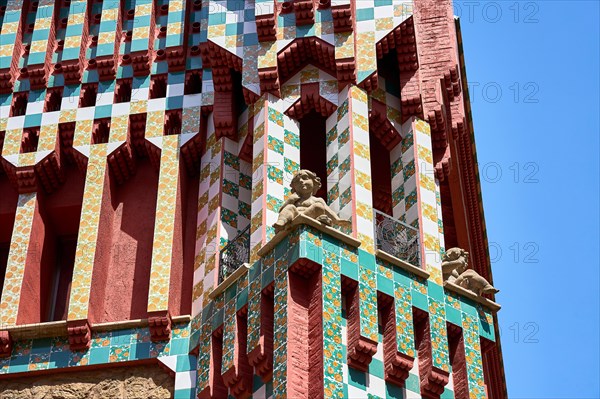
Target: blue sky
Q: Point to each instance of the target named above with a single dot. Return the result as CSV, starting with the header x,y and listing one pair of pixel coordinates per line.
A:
x,y
533,73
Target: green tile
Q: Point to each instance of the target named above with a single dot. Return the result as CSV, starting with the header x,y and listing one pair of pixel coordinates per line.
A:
x,y
365,14
33,120
267,277
349,269
420,301
41,345
376,368
184,394
254,271
412,383
230,292
366,260
99,355
385,285
435,291
179,347
393,391
140,351
468,308
331,244
401,277
242,299
447,394
185,363
357,378
453,316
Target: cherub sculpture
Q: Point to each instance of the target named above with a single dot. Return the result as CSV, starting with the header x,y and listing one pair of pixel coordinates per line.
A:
x,y
455,269
304,186
454,262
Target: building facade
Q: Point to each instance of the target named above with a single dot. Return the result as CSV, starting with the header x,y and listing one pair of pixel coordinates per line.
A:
x,y
147,149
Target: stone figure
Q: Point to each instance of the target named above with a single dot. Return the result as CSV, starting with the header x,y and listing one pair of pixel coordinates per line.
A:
x,y
454,262
472,281
304,186
455,269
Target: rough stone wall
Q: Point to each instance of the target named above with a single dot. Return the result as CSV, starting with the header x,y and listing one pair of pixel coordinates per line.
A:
x,y
140,382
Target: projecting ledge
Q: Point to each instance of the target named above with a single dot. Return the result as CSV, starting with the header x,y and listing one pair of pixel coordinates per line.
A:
x,y
305,220
402,264
232,278
59,328
491,305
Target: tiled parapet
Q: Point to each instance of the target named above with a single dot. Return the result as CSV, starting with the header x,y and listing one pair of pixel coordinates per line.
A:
x,y
308,270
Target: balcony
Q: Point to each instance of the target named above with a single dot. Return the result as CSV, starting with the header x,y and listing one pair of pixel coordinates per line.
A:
x,y
234,254
397,238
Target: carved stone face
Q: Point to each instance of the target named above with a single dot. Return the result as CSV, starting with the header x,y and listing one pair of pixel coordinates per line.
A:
x,y
303,185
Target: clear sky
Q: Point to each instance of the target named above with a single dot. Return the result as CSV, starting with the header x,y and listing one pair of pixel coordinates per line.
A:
x,y
533,72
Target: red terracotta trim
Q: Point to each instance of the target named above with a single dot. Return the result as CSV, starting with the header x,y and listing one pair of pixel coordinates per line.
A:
x,y
310,99
6,344
381,127
305,12
238,378
433,380
396,365
80,334
457,358
360,349
159,324
305,331
261,358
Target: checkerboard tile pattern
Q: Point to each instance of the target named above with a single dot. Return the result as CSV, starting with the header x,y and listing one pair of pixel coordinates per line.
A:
x,y
276,156
207,233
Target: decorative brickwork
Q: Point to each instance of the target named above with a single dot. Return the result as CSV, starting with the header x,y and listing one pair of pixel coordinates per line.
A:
x,y
148,147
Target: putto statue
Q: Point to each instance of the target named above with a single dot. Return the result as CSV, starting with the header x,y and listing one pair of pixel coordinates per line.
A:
x,y
454,260
455,269
305,185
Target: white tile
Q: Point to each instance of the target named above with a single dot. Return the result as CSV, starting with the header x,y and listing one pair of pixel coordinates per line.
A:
x,y
169,361
185,380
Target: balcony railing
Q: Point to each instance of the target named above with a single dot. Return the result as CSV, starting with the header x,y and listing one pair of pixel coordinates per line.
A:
x,y
234,254
397,238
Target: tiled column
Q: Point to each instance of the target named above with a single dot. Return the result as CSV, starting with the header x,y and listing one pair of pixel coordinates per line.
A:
x,y
349,194
333,358
143,23
164,225
276,156
209,213
11,32
109,38
76,35
413,176
20,248
87,238
280,333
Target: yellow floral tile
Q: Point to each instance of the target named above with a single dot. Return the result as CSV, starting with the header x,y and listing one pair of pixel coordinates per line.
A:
x,y
6,50
174,28
73,42
15,267
75,19
43,23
